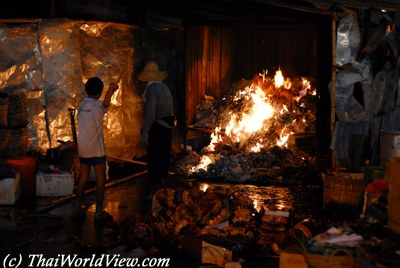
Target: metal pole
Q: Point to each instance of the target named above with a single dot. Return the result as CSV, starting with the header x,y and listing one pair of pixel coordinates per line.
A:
x,y
71,112
333,103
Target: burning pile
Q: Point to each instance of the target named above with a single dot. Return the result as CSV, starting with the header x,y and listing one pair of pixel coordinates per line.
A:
x,y
253,126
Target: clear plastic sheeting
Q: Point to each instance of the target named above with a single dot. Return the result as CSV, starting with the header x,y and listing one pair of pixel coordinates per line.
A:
x,y
109,51
391,121
379,96
51,60
59,46
347,40
351,143
20,57
348,108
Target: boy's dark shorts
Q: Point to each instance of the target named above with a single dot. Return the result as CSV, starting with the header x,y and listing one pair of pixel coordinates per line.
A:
x,y
92,161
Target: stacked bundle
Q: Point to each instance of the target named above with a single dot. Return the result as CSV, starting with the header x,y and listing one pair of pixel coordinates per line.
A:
x,y
13,125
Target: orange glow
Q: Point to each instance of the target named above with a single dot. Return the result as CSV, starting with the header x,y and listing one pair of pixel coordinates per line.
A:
x,y
268,112
278,79
215,138
242,126
204,162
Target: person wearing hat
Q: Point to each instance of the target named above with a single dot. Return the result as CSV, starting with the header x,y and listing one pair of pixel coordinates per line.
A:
x,y
158,122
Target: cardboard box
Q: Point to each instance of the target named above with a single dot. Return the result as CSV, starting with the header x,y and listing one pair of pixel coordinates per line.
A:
x,y
54,184
10,189
207,252
288,259
215,254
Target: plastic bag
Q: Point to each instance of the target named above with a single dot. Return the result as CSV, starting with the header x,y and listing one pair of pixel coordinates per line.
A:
x,y
348,40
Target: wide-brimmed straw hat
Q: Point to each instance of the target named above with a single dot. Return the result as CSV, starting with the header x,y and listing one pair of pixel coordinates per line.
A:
x,y
152,72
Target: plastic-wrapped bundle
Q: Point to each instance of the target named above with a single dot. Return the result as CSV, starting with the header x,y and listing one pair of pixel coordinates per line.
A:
x,y
348,40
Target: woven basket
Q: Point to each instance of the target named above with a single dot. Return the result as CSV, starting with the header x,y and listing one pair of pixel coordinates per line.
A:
x,y
343,189
3,110
18,143
331,261
17,110
4,139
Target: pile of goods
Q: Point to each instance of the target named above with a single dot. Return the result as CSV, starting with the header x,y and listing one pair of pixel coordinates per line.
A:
x,y
13,124
217,213
273,166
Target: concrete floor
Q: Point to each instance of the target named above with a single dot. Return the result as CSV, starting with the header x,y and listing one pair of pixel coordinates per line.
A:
x,y
43,226
50,218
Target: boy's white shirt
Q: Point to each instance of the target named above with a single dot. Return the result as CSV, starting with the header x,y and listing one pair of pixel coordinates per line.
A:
x,y
90,128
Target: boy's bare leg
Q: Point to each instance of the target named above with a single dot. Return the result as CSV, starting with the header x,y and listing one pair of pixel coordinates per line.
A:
x,y
83,178
101,176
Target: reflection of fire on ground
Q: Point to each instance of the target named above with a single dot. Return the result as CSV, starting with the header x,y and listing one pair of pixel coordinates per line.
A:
x,y
253,126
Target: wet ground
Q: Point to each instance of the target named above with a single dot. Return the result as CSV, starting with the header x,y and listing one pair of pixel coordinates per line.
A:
x,y
42,228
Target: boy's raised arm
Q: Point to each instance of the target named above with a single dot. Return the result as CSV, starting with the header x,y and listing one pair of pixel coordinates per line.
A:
x,y
111,89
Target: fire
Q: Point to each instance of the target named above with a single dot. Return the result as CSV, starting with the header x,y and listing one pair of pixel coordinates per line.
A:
x,y
256,206
242,126
263,75
204,162
256,148
204,187
278,79
215,138
283,140
261,116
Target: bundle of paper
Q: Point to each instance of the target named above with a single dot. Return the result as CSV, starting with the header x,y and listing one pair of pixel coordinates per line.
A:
x,y
343,237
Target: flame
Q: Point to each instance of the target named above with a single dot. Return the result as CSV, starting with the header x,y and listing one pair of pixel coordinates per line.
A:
x,y
284,109
204,187
256,148
259,107
278,79
204,162
256,207
215,138
306,84
240,127
263,75
283,140
284,137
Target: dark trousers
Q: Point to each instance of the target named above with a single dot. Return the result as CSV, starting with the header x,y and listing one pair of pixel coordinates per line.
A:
x,y
158,153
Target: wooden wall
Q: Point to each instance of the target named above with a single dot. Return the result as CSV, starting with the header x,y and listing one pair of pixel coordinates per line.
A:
x,y
209,64
293,49
216,57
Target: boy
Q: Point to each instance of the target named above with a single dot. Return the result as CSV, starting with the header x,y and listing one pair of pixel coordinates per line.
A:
x,y
91,147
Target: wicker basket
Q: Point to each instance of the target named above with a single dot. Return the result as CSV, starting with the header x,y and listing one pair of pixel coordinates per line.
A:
x,y
18,143
331,261
4,139
17,110
343,189
3,110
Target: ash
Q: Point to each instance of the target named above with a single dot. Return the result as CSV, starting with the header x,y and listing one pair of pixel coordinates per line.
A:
x,y
275,166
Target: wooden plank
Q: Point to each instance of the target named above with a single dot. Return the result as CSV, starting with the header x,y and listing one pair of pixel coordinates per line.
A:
x,y
127,160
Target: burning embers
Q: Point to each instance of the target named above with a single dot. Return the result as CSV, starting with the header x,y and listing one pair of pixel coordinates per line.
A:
x,y
260,115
